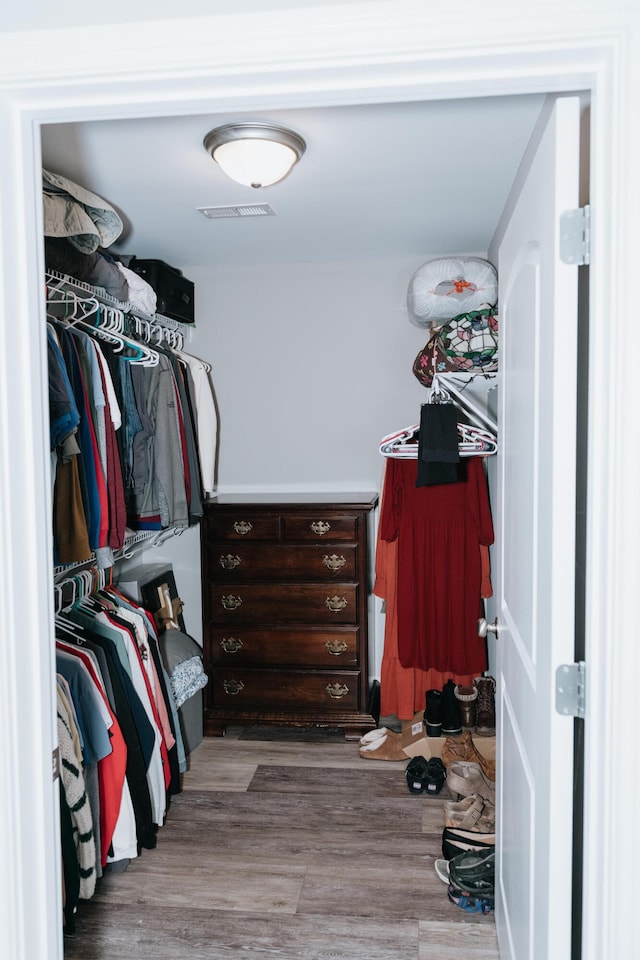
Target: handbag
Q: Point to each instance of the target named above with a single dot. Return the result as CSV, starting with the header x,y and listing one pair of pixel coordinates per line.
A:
x,y
466,344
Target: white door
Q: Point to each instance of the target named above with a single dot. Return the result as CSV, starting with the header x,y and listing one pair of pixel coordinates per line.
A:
x,y
535,547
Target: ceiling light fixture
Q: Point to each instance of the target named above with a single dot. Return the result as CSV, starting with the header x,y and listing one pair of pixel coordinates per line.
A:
x,y
255,154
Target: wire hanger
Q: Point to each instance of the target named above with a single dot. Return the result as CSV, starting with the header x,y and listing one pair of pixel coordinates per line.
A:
x,y
475,439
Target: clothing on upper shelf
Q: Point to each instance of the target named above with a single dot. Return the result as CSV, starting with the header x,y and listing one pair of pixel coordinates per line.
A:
x,y
127,439
441,573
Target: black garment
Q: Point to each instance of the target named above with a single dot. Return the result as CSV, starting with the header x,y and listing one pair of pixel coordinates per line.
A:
x,y
71,871
438,454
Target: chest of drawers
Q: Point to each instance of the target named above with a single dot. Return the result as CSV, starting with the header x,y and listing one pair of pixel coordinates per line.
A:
x,y
285,594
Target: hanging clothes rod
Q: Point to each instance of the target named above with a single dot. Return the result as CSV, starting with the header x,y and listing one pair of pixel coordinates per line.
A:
x,y
61,283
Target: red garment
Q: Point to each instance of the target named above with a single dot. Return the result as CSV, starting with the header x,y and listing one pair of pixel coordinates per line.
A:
x,y
402,689
439,531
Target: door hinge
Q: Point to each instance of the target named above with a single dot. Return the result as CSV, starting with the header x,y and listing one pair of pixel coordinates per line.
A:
x,y
570,689
575,236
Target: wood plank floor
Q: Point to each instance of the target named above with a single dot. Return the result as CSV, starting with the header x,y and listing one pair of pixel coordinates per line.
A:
x,y
293,851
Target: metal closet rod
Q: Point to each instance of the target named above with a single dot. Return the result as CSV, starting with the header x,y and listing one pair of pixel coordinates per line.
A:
x,y
63,283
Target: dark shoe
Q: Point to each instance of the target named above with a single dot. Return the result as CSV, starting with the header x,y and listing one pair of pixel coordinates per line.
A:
x,y
433,713
451,725
486,706
455,842
436,775
466,697
416,774
473,873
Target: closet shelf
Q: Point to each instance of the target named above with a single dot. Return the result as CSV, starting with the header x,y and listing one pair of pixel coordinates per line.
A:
x,y
142,539
65,284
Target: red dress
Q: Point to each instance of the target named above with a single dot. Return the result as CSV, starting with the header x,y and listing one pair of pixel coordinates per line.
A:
x,y
439,530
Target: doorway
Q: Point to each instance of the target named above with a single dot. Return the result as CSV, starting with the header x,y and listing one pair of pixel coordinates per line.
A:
x,y
23,377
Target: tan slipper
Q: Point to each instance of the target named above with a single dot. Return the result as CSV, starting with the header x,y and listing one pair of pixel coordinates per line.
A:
x,y
388,747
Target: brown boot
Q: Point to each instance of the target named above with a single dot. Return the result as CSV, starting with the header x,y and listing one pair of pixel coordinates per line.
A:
x,y
466,697
486,707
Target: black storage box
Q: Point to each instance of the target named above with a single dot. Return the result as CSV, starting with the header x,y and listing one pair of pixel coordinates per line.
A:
x,y
174,292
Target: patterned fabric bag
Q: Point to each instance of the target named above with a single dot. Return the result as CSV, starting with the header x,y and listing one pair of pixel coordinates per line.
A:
x,y
466,344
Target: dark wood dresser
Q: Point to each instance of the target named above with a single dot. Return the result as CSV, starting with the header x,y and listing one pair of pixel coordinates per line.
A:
x,y
285,586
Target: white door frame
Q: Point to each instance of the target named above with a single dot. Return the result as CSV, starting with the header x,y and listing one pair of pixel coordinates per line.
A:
x,y
351,53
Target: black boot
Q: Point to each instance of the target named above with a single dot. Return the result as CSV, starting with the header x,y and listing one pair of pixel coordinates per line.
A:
x,y
451,721
433,713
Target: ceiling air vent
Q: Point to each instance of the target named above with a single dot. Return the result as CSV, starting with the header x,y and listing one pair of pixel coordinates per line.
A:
x,y
244,210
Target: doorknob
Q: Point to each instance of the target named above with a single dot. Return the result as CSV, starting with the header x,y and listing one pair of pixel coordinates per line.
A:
x,y
484,627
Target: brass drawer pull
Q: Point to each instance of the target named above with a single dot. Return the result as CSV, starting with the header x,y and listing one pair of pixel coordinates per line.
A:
x,y
336,604
337,690
336,647
231,602
230,562
233,687
231,645
243,527
334,562
320,527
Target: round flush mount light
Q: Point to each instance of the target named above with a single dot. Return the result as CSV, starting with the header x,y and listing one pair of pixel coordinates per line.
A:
x,y
255,154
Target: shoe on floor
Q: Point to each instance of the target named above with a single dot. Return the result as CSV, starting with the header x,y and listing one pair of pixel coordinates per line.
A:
x,y
451,722
442,869
473,872
466,778
455,842
472,813
485,707
416,774
463,748
387,747
433,713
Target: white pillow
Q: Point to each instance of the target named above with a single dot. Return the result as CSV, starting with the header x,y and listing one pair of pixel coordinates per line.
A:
x,y
444,288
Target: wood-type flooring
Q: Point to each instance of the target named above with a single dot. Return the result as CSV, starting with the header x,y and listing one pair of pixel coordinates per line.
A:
x,y
286,851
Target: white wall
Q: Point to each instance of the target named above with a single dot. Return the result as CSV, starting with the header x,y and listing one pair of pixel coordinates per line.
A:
x,y
311,367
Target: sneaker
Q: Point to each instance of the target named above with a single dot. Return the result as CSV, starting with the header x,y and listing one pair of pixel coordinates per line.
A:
x,y
473,872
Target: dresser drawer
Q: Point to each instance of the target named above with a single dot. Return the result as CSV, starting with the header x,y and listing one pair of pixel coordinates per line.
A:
x,y
242,526
281,561
285,646
242,690
292,602
319,526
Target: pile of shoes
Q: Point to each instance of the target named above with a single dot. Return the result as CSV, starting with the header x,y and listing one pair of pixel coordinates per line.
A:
x,y
468,838
457,707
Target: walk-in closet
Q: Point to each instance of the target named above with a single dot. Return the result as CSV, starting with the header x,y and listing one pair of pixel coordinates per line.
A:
x,y
219,479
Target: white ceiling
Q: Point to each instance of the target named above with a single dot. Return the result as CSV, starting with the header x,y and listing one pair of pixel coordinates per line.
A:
x,y
377,181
